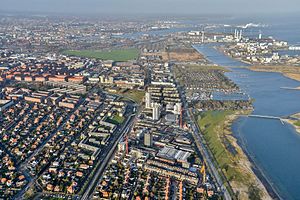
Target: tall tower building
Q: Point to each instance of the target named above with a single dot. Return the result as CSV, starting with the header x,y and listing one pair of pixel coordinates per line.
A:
x,y
177,108
148,139
156,111
148,100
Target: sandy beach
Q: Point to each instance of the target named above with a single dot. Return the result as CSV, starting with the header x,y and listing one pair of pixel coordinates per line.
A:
x,y
292,120
245,165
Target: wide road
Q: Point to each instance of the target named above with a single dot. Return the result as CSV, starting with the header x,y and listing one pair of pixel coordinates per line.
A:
x,y
105,158
201,146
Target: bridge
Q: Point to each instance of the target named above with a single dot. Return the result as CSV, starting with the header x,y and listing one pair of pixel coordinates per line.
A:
x,y
267,117
290,88
294,48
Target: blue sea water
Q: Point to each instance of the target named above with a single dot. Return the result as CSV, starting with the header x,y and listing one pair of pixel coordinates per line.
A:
x,y
273,146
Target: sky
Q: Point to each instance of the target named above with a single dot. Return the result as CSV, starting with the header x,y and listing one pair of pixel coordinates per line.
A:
x,y
180,7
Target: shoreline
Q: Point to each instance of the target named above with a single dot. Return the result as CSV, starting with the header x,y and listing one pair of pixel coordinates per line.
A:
x,y
292,119
291,122
272,192
257,177
294,75
271,189
220,49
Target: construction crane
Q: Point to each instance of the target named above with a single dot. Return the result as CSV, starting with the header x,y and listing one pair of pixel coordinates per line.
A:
x,y
126,142
203,172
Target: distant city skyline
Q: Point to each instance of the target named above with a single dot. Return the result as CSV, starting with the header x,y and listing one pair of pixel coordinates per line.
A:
x,y
132,7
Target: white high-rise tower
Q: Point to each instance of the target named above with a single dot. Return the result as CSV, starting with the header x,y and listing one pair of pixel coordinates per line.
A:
x,y
241,34
156,111
259,35
148,100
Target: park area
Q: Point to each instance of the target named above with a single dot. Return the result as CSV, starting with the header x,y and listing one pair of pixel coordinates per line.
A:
x,y
228,156
115,55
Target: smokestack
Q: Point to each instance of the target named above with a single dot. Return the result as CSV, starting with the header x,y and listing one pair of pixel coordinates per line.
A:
x,y
241,33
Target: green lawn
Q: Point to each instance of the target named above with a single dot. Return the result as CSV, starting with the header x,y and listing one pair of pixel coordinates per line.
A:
x,y
135,95
116,55
212,126
117,119
297,123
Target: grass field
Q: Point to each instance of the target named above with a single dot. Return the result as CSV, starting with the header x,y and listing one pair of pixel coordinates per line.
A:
x,y
116,55
212,125
135,95
297,123
117,119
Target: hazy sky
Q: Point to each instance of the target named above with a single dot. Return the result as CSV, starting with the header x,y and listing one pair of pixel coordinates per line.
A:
x,y
152,6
